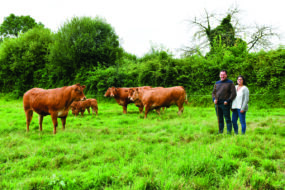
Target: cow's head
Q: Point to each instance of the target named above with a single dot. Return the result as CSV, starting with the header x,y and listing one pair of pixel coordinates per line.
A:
x,y
108,92
131,92
113,91
75,112
77,92
135,95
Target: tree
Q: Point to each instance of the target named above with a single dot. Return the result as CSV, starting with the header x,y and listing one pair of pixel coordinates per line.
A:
x,y
261,38
229,31
81,44
13,25
23,61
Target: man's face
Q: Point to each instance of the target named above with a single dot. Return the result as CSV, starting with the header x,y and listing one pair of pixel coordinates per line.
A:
x,y
223,76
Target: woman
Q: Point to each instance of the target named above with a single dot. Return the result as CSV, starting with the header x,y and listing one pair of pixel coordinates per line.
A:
x,y
239,105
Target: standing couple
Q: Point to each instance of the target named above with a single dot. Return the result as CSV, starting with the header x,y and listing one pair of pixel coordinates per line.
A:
x,y
227,97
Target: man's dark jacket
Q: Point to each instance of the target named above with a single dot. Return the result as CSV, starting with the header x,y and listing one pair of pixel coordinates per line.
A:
x,y
224,91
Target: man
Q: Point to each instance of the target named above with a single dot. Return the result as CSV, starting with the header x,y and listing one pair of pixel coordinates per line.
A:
x,y
223,94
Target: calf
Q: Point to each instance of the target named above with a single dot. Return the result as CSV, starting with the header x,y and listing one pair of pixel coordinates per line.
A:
x,y
55,102
160,97
80,106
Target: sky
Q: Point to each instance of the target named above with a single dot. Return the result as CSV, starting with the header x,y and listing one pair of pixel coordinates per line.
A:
x,y
143,24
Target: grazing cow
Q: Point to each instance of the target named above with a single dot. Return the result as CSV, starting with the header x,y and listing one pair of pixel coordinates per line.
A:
x,y
160,97
55,102
80,106
120,95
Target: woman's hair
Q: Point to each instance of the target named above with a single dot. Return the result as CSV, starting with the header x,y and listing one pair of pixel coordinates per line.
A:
x,y
244,81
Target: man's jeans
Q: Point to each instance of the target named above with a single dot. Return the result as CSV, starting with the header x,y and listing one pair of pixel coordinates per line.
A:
x,y
236,114
224,111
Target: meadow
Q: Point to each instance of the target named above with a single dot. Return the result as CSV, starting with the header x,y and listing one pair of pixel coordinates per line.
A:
x,y
117,151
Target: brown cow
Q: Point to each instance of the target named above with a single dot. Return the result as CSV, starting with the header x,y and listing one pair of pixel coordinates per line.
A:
x,y
121,96
161,97
138,102
80,106
54,102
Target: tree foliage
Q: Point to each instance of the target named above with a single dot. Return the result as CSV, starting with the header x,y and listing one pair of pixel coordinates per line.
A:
x,y
23,61
13,25
81,44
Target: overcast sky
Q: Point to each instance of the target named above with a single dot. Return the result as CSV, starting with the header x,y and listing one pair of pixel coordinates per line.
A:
x,y
141,24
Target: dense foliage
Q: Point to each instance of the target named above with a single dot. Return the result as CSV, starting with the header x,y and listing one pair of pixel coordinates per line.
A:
x,y
80,45
87,50
264,72
14,25
23,61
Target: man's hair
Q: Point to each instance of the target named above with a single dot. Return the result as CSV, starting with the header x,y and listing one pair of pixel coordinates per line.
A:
x,y
224,71
244,81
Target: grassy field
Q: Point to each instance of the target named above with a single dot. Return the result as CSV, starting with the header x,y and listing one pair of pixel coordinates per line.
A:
x,y
116,151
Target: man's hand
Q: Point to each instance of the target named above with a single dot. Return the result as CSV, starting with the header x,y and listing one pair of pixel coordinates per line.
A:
x,y
241,111
216,101
225,103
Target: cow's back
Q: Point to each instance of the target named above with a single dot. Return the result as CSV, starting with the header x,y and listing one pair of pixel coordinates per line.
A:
x,y
43,101
93,102
162,97
123,93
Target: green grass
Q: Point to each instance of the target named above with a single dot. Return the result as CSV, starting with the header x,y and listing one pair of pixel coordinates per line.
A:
x,y
117,151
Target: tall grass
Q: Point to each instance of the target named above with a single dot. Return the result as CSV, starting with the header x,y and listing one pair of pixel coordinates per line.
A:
x,y
117,151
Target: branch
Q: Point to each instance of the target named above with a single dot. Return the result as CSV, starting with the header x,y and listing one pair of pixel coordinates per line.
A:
x,y
261,37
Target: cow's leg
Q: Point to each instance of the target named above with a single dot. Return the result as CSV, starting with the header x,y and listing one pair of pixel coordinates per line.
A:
x,y
54,121
95,108
82,113
29,116
146,111
63,121
41,117
125,109
181,108
88,109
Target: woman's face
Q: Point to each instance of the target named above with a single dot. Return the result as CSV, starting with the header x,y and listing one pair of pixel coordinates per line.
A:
x,y
240,81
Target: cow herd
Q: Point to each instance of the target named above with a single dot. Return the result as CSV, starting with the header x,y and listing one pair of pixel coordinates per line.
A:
x,y
57,102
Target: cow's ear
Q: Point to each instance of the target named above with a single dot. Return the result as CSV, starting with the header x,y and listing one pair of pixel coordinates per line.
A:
x,y
78,84
137,89
83,86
